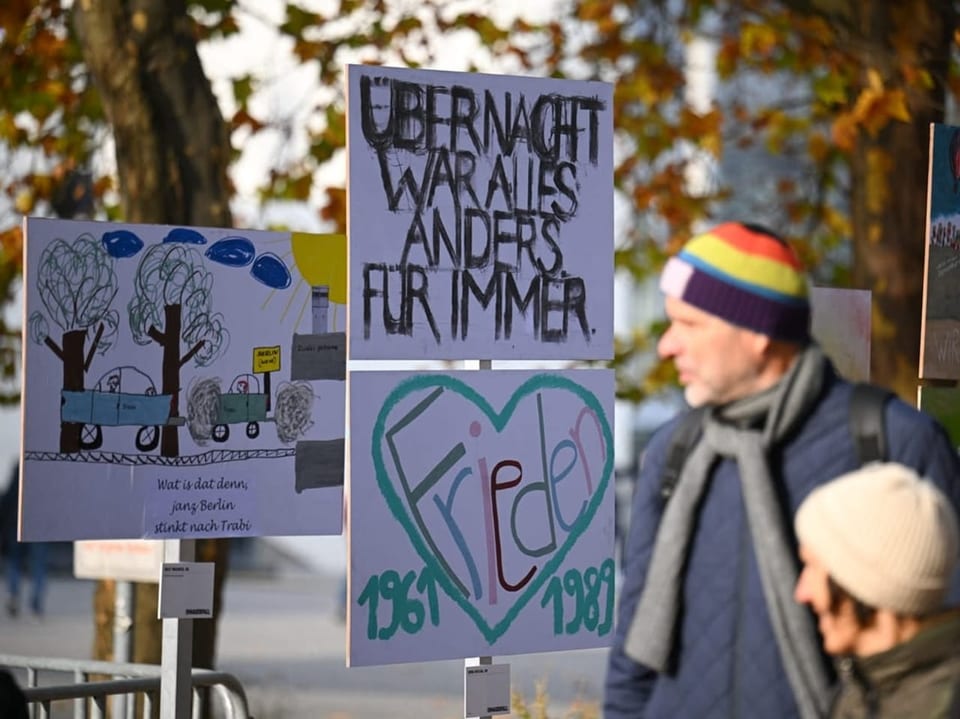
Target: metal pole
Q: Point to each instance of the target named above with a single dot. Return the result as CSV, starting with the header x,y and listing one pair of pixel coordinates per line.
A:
x,y
485,364
122,636
176,691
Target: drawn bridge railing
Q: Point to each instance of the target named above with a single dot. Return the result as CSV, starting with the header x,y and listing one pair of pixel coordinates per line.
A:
x,y
127,681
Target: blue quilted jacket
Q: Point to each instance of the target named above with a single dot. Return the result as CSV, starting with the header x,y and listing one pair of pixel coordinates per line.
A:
x,y
728,663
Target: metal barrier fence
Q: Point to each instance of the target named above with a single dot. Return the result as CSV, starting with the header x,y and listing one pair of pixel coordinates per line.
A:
x,y
126,683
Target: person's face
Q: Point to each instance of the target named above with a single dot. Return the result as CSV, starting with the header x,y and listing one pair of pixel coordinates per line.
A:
x,y
717,362
838,625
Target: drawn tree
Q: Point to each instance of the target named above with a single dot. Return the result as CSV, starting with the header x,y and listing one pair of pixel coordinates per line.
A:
x,y
171,304
77,284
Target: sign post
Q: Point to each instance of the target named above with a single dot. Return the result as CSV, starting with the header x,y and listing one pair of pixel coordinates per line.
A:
x,y
123,613
483,661
124,562
481,225
141,433
176,663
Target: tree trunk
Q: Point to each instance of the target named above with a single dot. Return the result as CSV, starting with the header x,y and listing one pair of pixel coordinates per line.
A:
x,y
889,180
170,378
73,379
172,143
172,149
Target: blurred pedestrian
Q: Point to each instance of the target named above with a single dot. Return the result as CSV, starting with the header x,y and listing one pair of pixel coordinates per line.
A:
x,y
21,555
13,702
879,546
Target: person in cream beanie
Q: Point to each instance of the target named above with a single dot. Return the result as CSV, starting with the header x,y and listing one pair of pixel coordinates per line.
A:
x,y
879,547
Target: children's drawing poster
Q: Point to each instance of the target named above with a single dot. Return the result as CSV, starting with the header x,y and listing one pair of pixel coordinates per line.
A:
x,y
181,382
482,514
480,216
841,325
940,320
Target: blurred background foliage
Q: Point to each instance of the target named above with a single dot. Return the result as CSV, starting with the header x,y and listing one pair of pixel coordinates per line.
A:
x,y
813,120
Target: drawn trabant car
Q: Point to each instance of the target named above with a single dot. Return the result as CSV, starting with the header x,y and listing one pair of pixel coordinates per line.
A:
x,y
243,402
122,397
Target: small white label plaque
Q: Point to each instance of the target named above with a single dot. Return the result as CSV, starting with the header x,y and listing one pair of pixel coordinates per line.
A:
x,y
186,590
486,690
126,560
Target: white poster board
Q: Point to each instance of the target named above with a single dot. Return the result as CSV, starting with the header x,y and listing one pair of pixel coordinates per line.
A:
x,y
480,216
482,514
181,382
126,560
840,323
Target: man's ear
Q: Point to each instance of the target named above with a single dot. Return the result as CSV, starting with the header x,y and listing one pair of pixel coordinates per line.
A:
x,y
775,353
760,344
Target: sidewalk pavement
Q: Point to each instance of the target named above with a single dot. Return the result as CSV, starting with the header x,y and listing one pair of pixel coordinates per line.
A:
x,y
280,636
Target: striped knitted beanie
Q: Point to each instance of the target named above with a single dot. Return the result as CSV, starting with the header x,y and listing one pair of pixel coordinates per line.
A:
x,y
745,275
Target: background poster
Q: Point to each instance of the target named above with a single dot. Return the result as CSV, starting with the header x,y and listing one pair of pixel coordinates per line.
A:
x,y
181,382
940,321
480,216
840,322
481,518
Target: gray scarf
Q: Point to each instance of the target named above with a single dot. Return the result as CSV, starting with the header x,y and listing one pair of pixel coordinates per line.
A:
x,y
650,639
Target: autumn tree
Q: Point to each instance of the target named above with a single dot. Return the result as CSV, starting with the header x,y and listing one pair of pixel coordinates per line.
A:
x,y
851,89
825,103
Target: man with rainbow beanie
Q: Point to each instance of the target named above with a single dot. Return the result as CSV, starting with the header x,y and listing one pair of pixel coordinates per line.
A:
x,y
707,625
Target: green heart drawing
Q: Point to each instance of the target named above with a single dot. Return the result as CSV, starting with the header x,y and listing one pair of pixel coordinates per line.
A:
x,y
541,384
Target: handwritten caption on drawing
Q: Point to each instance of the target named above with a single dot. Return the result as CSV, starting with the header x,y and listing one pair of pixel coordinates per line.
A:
x,y
199,506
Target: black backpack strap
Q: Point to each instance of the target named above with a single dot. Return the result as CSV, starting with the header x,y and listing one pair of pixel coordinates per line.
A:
x,y
684,437
867,425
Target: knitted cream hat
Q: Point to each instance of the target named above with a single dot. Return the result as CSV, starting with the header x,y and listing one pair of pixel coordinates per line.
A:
x,y
745,275
884,534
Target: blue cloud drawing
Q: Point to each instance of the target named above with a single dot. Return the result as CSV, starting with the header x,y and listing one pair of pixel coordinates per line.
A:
x,y
270,270
232,251
121,243
186,236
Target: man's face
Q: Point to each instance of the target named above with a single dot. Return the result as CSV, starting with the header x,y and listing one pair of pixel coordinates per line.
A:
x,y
838,624
717,362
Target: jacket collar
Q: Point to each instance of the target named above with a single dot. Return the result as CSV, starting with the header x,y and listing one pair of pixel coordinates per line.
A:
x,y
935,642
